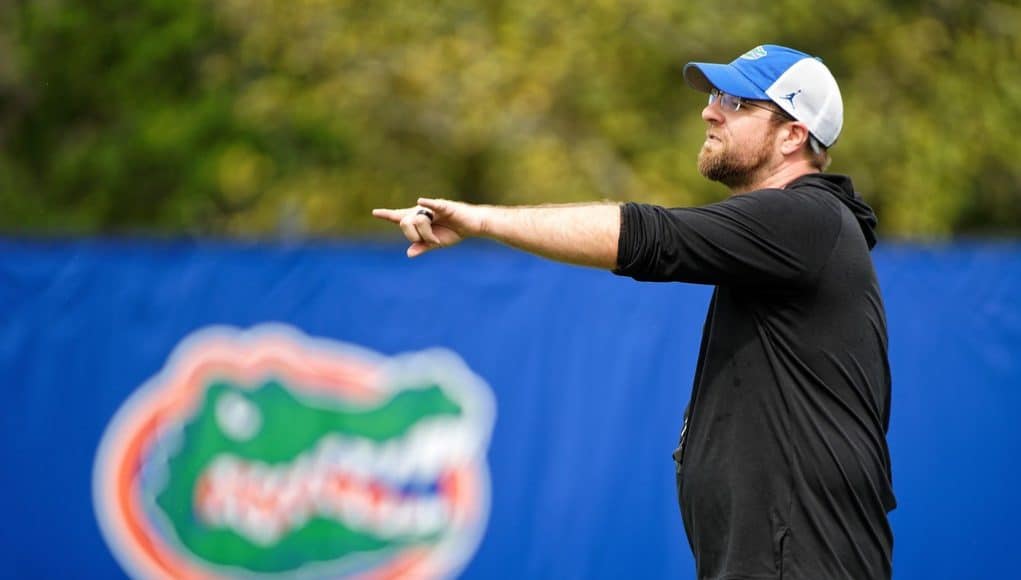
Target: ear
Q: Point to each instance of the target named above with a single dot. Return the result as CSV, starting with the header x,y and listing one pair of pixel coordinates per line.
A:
x,y
793,137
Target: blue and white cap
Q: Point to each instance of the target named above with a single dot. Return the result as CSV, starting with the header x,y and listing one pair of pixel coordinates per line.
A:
x,y
798,83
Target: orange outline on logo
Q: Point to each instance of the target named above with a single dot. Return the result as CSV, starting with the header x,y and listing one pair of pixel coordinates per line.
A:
x,y
175,392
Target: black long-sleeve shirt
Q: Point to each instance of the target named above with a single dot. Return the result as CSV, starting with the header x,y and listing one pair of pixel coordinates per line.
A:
x,y
783,469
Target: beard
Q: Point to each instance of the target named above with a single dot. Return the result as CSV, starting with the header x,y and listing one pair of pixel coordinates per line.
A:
x,y
736,170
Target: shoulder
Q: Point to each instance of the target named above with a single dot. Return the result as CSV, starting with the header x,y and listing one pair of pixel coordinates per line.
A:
x,y
804,202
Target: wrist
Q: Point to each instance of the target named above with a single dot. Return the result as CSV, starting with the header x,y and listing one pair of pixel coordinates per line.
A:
x,y
483,225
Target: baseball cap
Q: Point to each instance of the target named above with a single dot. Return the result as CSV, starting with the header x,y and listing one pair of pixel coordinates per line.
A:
x,y
798,83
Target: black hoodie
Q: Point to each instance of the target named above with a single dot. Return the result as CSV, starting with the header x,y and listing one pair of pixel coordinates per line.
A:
x,y
783,469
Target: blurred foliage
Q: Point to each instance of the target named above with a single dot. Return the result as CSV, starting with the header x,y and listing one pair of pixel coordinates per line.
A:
x,y
265,117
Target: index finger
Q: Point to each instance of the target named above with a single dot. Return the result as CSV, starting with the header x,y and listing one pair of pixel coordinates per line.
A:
x,y
390,215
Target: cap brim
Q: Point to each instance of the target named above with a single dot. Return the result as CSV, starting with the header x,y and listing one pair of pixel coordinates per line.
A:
x,y
704,76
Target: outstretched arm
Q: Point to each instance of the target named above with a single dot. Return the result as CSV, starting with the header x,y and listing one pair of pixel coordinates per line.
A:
x,y
584,234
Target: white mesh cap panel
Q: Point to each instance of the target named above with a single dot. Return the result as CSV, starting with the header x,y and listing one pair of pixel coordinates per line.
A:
x,y
808,91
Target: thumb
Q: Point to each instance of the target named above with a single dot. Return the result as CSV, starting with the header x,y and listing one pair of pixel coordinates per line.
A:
x,y
463,218
440,206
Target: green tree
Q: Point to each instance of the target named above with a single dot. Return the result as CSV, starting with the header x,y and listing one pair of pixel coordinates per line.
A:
x,y
249,117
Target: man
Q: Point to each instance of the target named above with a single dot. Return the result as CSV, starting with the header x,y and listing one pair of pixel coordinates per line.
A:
x,y
782,468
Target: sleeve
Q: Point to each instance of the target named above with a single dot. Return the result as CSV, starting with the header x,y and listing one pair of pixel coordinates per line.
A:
x,y
776,238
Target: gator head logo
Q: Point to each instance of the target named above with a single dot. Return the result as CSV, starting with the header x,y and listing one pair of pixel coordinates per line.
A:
x,y
755,53
266,453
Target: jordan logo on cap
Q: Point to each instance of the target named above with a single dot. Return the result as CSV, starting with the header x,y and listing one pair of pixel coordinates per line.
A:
x,y
790,97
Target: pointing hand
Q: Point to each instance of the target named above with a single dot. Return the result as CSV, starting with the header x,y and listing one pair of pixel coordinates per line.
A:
x,y
434,223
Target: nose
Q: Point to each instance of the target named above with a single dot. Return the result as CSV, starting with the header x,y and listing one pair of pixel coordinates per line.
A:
x,y
712,114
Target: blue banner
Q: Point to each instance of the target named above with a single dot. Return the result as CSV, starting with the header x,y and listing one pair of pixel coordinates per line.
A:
x,y
337,409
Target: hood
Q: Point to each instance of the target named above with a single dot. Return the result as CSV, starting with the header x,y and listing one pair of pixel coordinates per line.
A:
x,y
841,187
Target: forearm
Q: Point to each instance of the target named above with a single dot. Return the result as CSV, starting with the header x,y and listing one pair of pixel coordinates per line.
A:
x,y
583,234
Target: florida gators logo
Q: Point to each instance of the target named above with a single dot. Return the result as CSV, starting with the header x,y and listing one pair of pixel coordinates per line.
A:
x,y
755,53
266,453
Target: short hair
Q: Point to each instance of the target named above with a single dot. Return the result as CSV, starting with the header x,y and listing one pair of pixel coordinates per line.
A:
x,y
820,158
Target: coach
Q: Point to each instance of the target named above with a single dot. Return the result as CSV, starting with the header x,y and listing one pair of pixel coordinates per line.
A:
x,y
783,469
